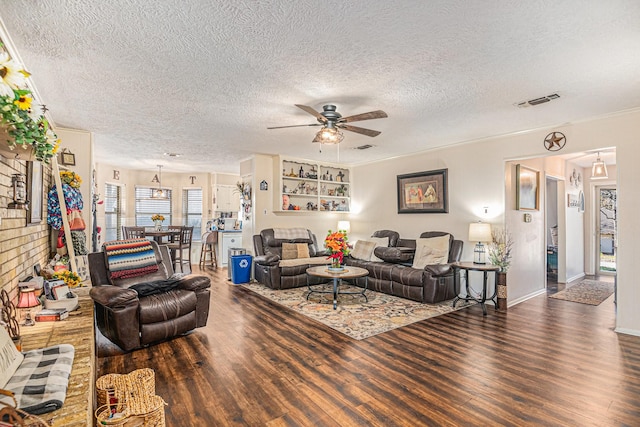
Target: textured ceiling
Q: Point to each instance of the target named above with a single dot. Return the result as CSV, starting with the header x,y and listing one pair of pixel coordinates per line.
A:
x,y
206,78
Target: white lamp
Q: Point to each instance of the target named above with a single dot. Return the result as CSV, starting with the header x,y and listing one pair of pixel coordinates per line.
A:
x,y
599,169
344,226
479,232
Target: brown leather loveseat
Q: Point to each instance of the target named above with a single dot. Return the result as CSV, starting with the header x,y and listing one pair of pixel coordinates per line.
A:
x,y
273,268
393,273
165,305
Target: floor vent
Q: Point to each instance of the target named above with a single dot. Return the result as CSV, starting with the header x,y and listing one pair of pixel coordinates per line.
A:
x,y
537,101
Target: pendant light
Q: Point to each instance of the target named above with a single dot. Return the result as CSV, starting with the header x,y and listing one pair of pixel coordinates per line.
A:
x,y
599,169
159,193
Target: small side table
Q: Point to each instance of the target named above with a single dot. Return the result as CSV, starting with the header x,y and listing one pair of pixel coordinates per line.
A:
x,y
486,269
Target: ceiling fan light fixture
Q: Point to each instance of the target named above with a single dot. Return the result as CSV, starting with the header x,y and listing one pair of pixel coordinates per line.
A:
x,y
599,169
329,135
159,193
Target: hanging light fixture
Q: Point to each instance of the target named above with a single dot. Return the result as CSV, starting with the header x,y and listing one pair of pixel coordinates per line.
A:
x,y
329,134
159,193
599,169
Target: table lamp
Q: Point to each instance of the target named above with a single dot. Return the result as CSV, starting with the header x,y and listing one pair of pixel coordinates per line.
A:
x,y
27,300
479,232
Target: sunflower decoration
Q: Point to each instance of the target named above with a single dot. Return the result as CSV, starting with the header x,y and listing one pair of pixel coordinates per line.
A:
x,y
71,178
157,217
20,115
70,278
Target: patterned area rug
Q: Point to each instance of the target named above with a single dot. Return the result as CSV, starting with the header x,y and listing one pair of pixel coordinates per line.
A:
x,y
354,316
591,292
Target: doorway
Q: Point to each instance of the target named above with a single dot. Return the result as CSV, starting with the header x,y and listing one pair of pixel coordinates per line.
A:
x,y
551,221
606,230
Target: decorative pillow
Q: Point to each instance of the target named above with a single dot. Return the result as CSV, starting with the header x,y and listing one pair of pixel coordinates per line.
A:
x,y
434,250
379,241
303,250
363,250
289,251
295,250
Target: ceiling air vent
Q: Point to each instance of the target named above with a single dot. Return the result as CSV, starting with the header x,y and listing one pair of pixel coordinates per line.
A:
x,y
364,147
537,101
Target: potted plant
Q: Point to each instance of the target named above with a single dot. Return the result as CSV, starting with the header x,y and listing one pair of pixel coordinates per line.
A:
x,y
24,131
500,255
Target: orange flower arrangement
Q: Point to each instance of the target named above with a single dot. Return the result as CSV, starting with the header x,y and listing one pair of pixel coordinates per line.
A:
x,y
338,246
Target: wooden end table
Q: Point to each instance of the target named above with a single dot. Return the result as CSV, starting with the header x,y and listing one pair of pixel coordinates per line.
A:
x,y
469,266
337,277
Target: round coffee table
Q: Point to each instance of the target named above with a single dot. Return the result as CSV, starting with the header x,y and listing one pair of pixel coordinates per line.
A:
x,y
347,273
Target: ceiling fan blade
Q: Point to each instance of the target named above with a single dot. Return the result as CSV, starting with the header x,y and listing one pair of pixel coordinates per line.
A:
x,y
313,112
378,114
357,129
293,126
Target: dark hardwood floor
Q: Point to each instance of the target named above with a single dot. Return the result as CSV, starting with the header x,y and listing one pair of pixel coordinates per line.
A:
x,y
543,362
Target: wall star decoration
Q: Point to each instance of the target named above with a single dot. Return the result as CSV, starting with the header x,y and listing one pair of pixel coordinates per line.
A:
x,y
555,141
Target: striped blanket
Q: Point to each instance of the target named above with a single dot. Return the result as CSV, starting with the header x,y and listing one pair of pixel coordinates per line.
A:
x,y
130,258
290,233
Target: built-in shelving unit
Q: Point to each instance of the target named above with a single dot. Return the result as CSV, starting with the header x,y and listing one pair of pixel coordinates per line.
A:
x,y
310,186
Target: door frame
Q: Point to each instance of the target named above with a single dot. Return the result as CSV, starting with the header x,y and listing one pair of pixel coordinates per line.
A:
x,y
597,187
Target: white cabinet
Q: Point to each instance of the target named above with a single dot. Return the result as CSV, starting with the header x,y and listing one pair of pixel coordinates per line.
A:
x,y
229,240
227,198
309,186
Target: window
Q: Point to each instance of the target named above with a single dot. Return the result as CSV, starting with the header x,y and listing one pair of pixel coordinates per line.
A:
x,y
146,207
192,210
112,213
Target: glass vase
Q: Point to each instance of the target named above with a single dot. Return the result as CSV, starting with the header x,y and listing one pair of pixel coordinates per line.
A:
x,y
335,265
157,224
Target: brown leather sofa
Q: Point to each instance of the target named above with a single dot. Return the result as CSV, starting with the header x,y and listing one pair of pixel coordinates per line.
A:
x,y
131,320
395,276
272,271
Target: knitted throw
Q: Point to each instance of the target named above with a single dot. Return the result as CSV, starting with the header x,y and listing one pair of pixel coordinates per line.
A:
x,y
130,258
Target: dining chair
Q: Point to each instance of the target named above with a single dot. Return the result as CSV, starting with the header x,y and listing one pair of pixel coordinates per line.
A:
x,y
174,229
208,250
178,248
133,232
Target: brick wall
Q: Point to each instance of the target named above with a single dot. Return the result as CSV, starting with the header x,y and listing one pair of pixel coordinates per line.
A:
x,y
21,246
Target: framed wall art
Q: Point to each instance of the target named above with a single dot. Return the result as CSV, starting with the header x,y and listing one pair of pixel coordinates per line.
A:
x,y
35,194
527,188
423,192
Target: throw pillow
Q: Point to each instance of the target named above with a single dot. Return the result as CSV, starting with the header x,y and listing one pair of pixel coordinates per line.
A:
x,y
434,250
363,250
295,250
289,251
303,250
379,241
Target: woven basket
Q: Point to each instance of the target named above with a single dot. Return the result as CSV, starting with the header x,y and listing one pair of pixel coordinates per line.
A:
x,y
135,385
151,415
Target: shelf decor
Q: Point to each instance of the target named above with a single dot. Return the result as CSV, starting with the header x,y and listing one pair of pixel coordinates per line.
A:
x,y
24,131
308,186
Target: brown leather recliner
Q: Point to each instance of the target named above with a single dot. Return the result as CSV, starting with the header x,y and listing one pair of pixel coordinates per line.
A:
x,y
131,320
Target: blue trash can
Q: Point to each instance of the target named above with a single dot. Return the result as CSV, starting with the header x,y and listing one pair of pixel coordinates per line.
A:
x,y
241,268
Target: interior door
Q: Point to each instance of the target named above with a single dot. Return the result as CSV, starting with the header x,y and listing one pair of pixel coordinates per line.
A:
x,y
607,226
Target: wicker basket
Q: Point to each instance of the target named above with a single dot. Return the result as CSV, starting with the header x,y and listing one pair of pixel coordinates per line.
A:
x,y
151,414
136,384
135,394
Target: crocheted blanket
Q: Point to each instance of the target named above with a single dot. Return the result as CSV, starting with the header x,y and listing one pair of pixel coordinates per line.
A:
x,y
130,258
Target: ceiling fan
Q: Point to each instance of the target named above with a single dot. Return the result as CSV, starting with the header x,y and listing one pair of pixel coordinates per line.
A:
x,y
332,121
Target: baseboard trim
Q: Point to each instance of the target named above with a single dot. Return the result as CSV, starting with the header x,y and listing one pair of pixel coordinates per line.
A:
x,y
526,297
626,331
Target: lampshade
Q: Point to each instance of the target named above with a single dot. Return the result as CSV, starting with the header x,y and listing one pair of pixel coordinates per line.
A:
x,y
480,232
344,226
159,193
27,298
328,135
599,169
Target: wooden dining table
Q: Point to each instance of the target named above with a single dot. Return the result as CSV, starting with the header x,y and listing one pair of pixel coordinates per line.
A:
x,y
159,235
